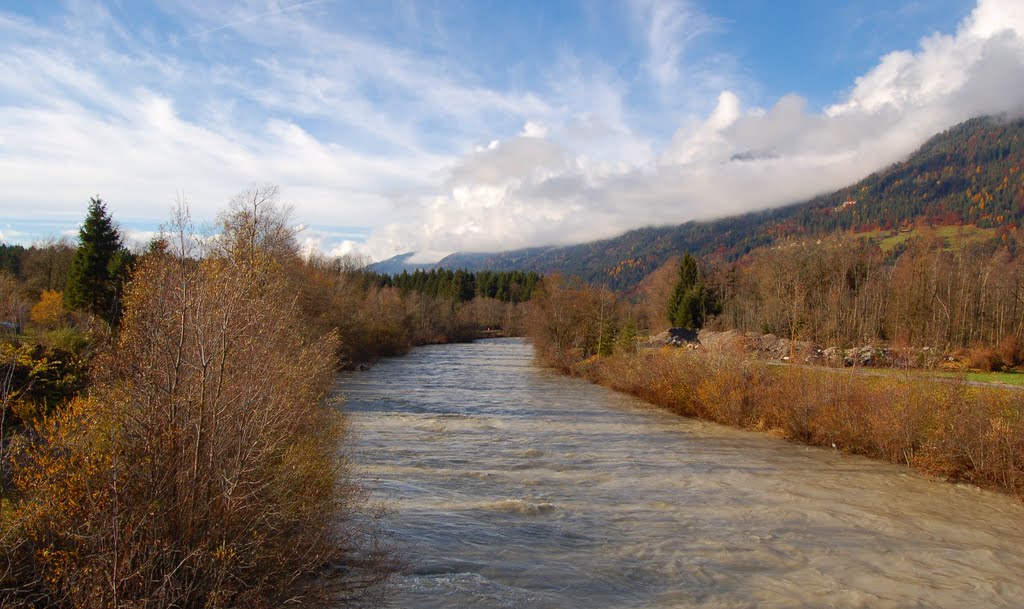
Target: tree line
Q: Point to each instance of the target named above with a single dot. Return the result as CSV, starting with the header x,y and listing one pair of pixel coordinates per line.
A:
x,y
848,292
460,285
964,298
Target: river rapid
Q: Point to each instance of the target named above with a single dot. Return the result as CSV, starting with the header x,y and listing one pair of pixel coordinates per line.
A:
x,y
512,486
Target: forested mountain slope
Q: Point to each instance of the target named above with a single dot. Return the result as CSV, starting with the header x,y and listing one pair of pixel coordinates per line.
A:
x,y
971,174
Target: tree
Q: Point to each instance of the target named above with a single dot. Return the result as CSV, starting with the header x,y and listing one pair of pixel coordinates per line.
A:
x,y
678,314
690,302
626,341
97,268
45,265
606,344
13,305
566,318
49,312
465,287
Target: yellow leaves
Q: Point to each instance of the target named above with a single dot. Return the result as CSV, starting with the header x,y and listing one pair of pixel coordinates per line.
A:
x,y
49,312
224,554
204,439
28,370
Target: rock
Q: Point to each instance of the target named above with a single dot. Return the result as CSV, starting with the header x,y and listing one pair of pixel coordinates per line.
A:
x,y
685,335
673,337
658,340
720,341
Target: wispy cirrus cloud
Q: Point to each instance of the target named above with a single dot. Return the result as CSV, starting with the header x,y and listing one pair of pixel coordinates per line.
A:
x,y
669,27
736,159
394,128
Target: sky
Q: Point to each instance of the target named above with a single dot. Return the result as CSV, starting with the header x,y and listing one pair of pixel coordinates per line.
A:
x,y
440,126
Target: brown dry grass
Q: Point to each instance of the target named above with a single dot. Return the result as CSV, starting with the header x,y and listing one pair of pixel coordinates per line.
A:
x,y
950,429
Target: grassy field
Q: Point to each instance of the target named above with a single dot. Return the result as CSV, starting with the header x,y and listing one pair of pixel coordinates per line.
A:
x,y
954,237
1007,378
1012,377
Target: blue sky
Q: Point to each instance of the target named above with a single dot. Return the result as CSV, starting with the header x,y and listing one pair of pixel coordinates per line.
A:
x,y
444,126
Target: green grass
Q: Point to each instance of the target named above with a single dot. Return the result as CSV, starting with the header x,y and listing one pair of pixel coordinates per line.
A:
x,y
1008,378
954,237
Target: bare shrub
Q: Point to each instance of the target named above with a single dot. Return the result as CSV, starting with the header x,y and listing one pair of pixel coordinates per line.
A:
x,y
978,437
203,469
725,390
974,434
1011,350
898,417
985,359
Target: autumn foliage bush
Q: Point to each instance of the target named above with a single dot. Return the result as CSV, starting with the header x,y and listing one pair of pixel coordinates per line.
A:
x,y
985,359
203,468
49,312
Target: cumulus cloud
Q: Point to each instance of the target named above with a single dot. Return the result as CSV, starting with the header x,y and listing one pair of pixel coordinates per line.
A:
x,y
546,187
406,145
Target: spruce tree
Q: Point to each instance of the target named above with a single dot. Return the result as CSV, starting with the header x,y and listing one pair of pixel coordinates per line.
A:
x,y
606,345
98,266
626,341
679,305
690,302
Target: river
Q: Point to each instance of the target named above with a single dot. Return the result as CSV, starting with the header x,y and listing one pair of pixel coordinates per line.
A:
x,y
512,486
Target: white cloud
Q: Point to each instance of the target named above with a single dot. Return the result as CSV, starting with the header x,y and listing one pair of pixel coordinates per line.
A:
x,y
550,189
11,235
362,131
534,129
670,26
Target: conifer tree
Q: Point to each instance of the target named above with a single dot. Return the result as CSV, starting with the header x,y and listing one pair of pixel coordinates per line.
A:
x,y
99,265
626,341
690,302
606,344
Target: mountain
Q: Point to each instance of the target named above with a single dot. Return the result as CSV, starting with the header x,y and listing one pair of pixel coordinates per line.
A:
x,y
396,264
971,174
623,261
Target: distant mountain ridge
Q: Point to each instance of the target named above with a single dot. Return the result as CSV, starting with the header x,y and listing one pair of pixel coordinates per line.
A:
x,y
396,264
972,173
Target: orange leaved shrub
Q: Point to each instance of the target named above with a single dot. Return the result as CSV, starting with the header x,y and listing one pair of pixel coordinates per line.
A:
x,y
203,469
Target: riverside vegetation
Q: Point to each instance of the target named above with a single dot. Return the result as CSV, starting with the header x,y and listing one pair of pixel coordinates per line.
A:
x,y
200,466
969,299
166,437
168,440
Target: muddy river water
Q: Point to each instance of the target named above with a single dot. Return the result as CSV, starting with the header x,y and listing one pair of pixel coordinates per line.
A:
x,y
511,486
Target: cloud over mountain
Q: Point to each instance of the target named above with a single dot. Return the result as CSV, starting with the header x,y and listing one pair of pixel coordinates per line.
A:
x,y
404,127
549,190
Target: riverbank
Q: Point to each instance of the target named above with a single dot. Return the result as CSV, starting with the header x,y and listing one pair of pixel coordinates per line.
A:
x,y
512,486
979,364
947,429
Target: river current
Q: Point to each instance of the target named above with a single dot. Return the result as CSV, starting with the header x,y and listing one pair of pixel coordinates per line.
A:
x,y
511,486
